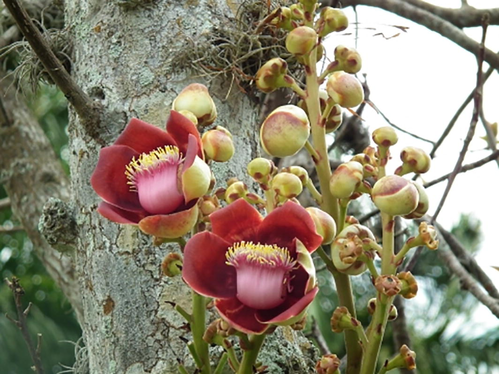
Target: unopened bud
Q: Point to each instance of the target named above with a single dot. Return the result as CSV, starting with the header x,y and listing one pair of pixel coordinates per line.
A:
x,y
393,313
285,131
348,59
235,191
405,359
395,195
196,99
423,203
261,170
328,364
334,119
287,185
300,172
217,144
208,205
190,116
272,75
414,160
301,40
371,305
345,89
283,18
409,287
388,285
331,20
325,225
172,265
385,136
345,179
343,320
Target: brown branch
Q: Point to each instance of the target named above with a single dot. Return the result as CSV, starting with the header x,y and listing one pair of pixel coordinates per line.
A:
x,y
4,230
18,292
432,22
474,120
494,156
88,110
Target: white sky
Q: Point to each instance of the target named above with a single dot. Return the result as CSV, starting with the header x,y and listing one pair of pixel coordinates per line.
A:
x,y
419,79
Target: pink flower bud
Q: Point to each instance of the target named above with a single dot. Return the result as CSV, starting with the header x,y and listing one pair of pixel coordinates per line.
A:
x,y
301,40
345,89
395,195
345,179
324,224
414,160
385,136
196,99
331,20
272,75
348,59
285,131
287,185
217,144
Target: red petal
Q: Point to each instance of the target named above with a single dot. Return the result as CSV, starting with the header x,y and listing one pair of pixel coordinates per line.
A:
x,y
172,225
236,222
180,127
118,215
286,223
287,310
109,179
144,137
240,316
204,268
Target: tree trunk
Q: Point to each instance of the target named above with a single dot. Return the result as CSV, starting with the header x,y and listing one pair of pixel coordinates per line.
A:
x,y
125,56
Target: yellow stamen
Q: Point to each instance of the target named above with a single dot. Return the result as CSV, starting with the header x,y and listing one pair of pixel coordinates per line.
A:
x,y
262,254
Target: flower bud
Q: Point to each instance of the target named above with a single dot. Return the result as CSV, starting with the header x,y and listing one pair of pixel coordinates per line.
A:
x,y
409,287
405,359
345,89
285,131
423,203
299,172
172,265
345,179
369,164
217,144
385,136
395,195
428,235
414,160
301,40
308,5
342,320
208,205
272,75
393,313
196,180
324,224
190,116
371,305
196,99
388,285
287,185
331,20
328,364
348,59
235,191
334,119
283,19
296,12
261,170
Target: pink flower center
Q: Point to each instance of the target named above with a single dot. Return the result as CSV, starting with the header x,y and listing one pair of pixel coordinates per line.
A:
x,y
262,273
154,176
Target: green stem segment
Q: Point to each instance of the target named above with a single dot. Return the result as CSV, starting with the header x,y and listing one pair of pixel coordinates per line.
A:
x,y
249,358
198,325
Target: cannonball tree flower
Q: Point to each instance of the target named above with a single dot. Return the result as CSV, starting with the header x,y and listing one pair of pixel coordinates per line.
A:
x,y
153,178
258,270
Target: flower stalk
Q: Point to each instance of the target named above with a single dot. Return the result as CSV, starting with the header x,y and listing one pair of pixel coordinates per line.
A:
x,y
250,355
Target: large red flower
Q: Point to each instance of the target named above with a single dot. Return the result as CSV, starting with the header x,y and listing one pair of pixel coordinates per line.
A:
x,y
152,178
259,270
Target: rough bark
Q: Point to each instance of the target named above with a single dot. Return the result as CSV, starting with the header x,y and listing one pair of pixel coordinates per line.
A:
x,y
125,58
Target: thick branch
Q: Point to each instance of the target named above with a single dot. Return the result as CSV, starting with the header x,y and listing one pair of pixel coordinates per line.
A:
x,y
87,109
432,22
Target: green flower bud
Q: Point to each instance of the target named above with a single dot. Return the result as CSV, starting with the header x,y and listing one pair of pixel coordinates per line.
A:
x,y
301,40
261,170
235,191
409,287
395,195
196,99
334,119
371,305
385,136
308,5
172,265
342,320
208,205
285,131
348,59
414,160
189,115
388,285
345,179
217,144
423,203
328,364
296,12
324,224
299,172
331,20
287,185
405,359
393,313
283,19
272,75
345,89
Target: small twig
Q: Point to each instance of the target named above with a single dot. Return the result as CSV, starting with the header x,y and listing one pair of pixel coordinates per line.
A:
x,y
477,97
5,202
493,156
4,230
87,109
18,292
